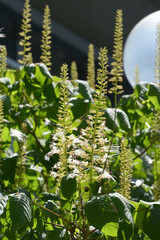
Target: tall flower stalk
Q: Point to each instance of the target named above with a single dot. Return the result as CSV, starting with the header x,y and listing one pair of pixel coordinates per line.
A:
x,y
46,38
157,56
3,60
61,140
156,154
91,66
20,169
125,170
74,72
117,64
94,139
1,127
25,35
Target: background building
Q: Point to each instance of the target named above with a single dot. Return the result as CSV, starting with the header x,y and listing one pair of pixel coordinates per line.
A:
x,y
75,24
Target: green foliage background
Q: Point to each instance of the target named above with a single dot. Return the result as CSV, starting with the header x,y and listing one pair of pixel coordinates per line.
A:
x,y
39,202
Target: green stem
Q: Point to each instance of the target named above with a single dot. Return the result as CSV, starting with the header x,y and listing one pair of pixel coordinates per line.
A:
x,y
59,216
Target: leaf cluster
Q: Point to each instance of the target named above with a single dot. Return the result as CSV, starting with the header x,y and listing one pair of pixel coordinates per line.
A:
x,y
60,164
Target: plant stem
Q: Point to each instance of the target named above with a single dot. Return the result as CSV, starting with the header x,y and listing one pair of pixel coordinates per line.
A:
x,y
144,151
59,216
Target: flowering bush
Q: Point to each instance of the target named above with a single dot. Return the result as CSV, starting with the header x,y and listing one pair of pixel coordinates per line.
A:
x,y
71,165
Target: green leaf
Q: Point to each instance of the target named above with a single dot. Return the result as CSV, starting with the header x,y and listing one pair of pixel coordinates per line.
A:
x,y
50,196
57,234
8,167
21,210
29,69
53,207
43,75
110,229
125,209
84,89
79,107
6,134
141,89
100,211
5,81
110,117
16,133
11,74
123,120
52,111
125,231
6,104
3,203
154,94
142,211
139,171
95,234
57,79
68,185
49,93
38,156
151,223
123,206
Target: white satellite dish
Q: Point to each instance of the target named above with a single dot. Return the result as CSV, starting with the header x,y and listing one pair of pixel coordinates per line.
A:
x,y
139,49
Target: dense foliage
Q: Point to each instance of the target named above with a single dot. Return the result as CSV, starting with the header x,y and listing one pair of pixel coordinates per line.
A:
x,y
32,205
72,166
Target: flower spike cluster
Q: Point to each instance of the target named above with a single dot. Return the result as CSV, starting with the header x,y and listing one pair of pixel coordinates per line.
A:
x,y
117,64
3,60
20,169
61,138
91,67
74,72
46,39
157,56
25,37
95,140
125,170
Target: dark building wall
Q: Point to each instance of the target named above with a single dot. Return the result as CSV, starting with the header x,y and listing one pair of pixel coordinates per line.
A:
x,y
92,20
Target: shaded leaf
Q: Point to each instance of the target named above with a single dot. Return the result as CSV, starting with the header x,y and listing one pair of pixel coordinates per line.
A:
x,y
125,209
50,196
8,167
151,222
53,207
79,107
100,211
68,185
84,89
123,206
20,209
57,234
109,114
